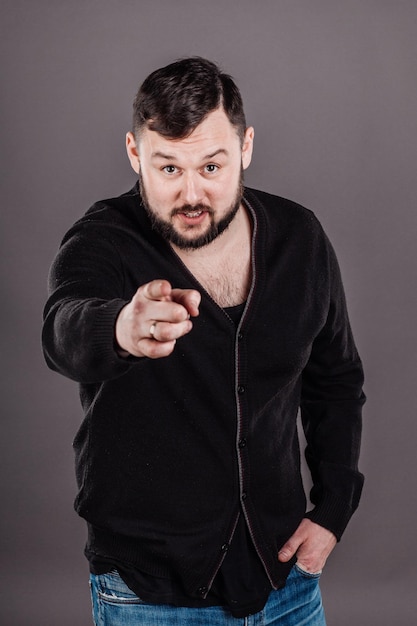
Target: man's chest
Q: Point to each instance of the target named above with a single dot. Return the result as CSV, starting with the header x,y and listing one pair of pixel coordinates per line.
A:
x,y
226,279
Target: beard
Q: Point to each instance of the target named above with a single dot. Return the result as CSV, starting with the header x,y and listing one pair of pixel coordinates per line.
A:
x,y
167,230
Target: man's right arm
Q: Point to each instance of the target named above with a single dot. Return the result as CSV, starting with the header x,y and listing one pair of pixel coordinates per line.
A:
x,y
89,323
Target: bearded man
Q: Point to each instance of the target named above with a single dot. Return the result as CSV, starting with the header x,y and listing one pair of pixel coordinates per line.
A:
x,y
198,316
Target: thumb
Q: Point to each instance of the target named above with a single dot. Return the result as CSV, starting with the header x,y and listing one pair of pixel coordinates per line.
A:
x,y
159,290
289,549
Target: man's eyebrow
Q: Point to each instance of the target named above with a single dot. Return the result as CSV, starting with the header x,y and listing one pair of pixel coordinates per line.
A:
x,y
162,155
172,157
219,151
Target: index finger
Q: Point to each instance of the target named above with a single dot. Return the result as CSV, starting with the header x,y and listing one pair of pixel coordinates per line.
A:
x,y
189,298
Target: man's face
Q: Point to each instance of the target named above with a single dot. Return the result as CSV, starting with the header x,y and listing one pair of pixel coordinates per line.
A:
x,y
192,187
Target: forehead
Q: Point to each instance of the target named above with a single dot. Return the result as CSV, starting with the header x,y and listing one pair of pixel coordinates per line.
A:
x,y
214,132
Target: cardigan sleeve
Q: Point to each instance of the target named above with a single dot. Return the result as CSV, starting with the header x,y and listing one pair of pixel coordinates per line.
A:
x,y
86,294
331,406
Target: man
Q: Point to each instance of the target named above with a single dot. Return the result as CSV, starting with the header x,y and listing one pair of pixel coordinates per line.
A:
x,y
198,316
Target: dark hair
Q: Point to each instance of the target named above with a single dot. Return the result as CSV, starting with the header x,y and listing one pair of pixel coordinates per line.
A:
x,y
175,99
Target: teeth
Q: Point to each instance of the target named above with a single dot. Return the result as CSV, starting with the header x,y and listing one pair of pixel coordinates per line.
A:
x,y
193,214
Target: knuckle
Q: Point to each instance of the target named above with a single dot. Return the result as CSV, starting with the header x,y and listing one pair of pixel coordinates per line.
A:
x,y
179,313
138,305
165,333
158,351
152,349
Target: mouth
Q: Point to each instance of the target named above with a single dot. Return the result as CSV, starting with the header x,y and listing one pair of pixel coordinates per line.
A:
x,y
192,216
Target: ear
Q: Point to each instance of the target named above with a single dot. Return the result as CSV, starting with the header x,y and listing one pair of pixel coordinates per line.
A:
x,y
132,152
247,147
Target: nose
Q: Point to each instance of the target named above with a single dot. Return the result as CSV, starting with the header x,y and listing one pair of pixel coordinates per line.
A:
x,y
191,190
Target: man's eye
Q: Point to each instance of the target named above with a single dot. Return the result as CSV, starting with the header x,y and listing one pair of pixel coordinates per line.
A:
x,y
211,168
169,169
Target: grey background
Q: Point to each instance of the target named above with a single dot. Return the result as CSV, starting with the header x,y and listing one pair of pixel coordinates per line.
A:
x,y
331,90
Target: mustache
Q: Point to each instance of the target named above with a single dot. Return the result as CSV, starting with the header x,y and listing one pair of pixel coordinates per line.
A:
x,y
189,208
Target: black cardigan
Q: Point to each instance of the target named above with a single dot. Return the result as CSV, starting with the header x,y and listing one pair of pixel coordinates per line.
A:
x,y
170,449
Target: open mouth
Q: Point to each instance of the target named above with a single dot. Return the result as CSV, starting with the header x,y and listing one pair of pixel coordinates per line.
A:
x,y
192,218
193,214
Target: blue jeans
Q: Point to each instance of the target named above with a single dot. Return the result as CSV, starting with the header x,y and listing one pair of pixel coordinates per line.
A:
x,y
297,604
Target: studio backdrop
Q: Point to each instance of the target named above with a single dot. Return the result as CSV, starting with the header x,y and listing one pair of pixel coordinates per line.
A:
x,y
330,88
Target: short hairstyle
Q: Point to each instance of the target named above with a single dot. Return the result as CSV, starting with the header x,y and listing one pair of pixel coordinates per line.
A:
x,y
175,99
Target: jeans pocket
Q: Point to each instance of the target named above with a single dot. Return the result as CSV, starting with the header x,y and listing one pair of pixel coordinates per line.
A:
x,y
303,572
113,590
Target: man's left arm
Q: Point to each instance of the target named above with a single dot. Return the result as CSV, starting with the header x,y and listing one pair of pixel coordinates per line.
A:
x,y
331,408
